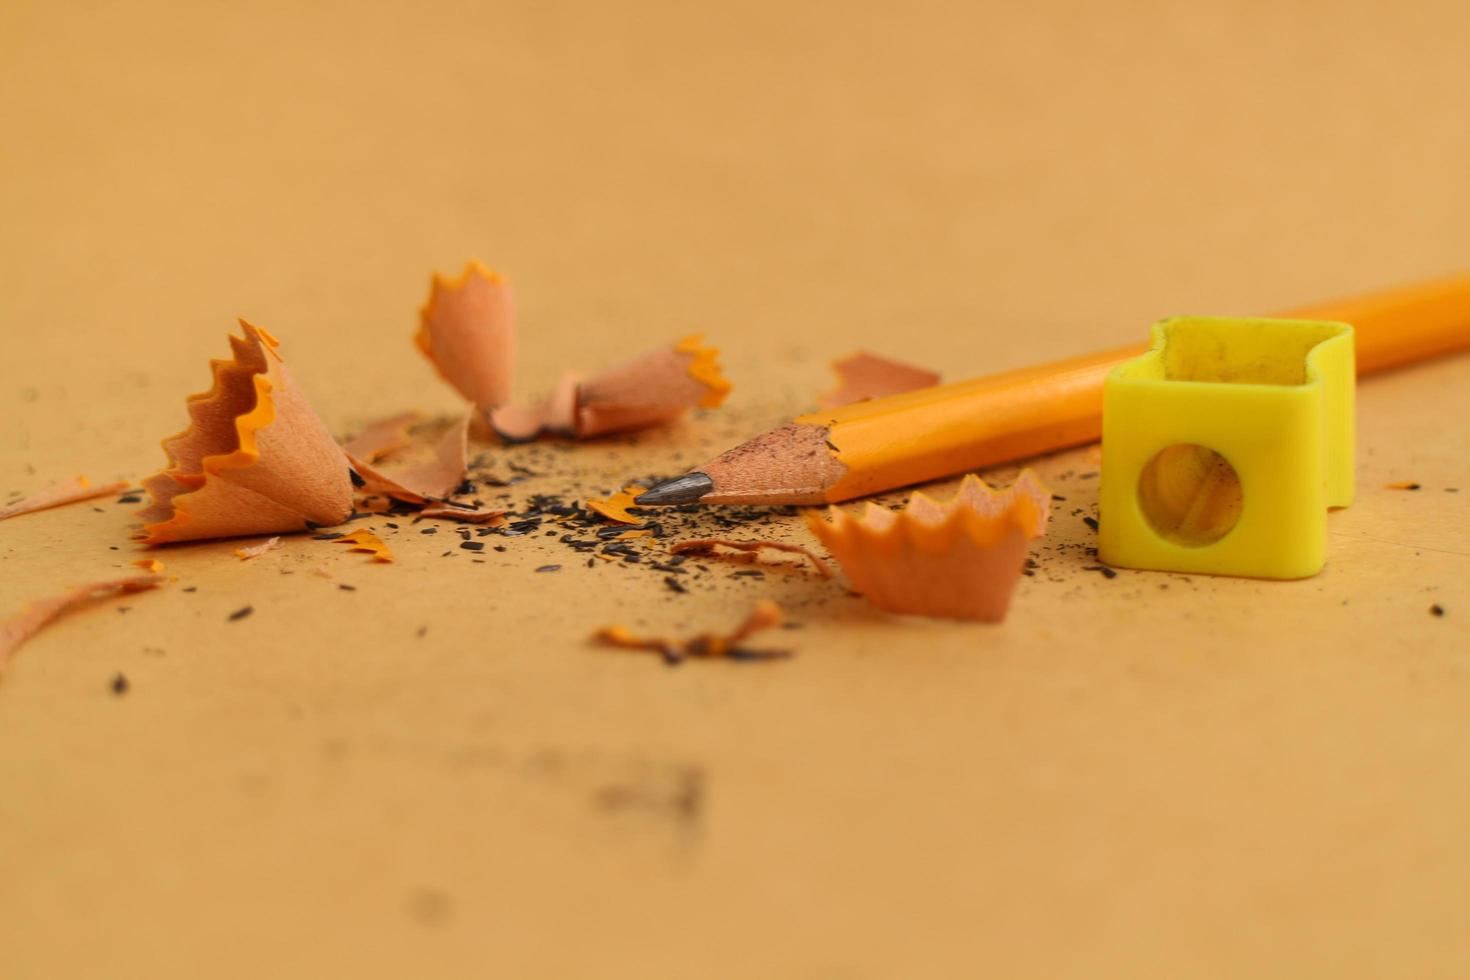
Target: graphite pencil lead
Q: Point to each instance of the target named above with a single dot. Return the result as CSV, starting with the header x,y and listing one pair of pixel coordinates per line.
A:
x,y
684,489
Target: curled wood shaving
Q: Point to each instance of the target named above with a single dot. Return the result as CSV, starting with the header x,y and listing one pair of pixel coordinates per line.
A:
x,y
957,559
751,549
467,330
765,615
256,458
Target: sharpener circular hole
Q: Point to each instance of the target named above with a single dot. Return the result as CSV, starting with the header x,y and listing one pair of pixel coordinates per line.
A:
x,y
1190,494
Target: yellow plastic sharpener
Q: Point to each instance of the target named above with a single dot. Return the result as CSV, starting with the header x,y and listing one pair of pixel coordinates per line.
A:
x,y
1225,444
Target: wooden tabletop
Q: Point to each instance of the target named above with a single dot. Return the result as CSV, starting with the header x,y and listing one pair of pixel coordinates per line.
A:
x,y
435,773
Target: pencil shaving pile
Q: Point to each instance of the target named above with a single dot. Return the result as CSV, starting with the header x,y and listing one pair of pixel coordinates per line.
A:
x,y
959,559
467,330
256,459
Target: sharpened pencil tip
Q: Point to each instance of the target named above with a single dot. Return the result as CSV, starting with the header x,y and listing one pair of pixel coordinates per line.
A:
x,y
684,489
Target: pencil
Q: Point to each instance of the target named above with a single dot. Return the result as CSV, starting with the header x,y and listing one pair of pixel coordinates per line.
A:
x,y
868,447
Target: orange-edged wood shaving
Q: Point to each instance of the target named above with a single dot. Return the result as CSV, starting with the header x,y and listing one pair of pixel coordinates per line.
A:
x,y
58,494
467,331
423,481
651,389
959,559
367,542
615,508
750,550
862,375
41,613
255,459
380,438
152,565
256,550
765,615
466,515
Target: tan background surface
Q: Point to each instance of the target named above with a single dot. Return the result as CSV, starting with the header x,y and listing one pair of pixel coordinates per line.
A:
x,y
1218,778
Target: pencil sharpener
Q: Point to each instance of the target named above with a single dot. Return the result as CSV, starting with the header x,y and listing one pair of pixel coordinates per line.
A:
x,y
1224,446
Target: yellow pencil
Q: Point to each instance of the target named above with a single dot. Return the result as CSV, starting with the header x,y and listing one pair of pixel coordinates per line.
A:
x,y
872,446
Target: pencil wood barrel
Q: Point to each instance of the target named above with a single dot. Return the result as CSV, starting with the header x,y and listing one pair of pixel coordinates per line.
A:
x,y
877,445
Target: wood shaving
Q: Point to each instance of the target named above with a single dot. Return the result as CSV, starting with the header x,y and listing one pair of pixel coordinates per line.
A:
x,y
751,551
368,542
765,615
862,376
960,559
383,437
255,459
255,551
467,331
615,508
43,612
59,494
465,515
422,482
653,388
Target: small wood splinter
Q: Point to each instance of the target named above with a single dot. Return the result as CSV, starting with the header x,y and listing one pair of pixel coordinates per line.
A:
x,y
465,515
368,542
255,551
60,494
615,508
765,615
43,612
751,551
